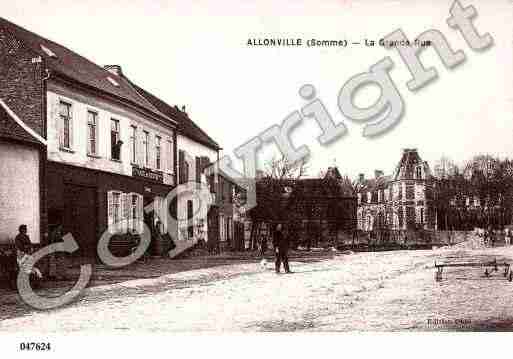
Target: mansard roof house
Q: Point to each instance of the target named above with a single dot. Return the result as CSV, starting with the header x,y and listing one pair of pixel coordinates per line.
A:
x,y
401,201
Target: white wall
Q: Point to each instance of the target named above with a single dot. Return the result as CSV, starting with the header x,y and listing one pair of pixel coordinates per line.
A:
x,y
19,191
106,111
192,149
195,149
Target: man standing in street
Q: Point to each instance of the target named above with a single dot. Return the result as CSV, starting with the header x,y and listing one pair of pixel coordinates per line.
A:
x,y
281,247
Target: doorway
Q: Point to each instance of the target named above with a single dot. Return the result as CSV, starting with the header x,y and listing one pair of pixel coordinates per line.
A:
x,y
80,218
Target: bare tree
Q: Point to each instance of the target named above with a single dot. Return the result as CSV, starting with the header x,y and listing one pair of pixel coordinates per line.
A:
x,y
444,168
274,187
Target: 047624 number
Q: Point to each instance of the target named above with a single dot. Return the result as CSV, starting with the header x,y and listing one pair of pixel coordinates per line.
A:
x,y
33,346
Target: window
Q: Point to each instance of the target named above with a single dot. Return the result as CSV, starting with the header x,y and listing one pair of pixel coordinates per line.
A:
x,y
146,144
419,172
115,140
92,133
422,216
157,152
133,212
125,212
48,52
65,122
133,144
113,82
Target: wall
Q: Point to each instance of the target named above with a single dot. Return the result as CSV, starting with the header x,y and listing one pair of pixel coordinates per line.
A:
x,y
23,89
193,149
19,191
21,81
81,103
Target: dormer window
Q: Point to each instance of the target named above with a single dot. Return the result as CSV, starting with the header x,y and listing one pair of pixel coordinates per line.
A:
x,y
112,81
48,52
419,172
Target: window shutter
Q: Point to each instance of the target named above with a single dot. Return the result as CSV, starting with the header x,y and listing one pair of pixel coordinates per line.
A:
x,y
181,167
59,124
140,147
170,156
71,127
151,152
164,214
125,210
110,218
140,213
198,169
163,154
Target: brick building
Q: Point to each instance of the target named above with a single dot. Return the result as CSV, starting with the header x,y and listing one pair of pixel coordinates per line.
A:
x,y
315,210
22,139
401,201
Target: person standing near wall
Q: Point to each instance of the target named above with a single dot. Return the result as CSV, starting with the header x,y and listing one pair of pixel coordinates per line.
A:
x,y
22,241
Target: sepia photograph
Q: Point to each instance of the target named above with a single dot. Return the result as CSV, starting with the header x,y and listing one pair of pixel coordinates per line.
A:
x,y
258,173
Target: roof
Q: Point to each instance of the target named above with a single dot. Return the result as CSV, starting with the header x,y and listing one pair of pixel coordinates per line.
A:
x,y
311,187
409,161
186,125
13,128
374,183
73,66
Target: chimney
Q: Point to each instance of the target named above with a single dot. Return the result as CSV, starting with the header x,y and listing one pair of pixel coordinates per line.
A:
x,y
378,173
114,69
361,178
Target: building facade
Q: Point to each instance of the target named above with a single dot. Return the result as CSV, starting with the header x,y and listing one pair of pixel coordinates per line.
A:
x,y
109,153
22,140
401,201
113,153
196,152
314,210
22,154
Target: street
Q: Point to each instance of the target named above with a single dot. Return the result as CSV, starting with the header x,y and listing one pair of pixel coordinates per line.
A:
x,y
379,291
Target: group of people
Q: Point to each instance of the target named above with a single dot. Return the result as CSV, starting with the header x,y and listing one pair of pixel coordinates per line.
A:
x,y
281,244
490,237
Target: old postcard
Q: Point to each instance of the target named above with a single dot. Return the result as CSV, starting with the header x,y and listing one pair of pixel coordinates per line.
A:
x,y
229,167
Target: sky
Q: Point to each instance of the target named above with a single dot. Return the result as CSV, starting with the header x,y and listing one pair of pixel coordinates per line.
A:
x,y
195,53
